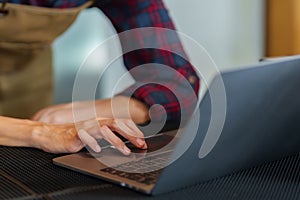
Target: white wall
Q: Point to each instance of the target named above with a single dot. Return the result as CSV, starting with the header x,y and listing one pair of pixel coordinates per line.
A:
x,y
232,31
73,46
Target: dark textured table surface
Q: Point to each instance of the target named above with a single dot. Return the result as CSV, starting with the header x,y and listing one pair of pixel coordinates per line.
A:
x,y
30,174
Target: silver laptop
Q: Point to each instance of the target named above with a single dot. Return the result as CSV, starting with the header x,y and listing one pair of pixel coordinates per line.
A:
x,y
261,124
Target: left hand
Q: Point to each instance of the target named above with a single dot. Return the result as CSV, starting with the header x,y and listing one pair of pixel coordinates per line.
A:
x,y
120,107
63,113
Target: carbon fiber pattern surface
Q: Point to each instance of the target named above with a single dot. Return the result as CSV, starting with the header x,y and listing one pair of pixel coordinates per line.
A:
x,y
29,174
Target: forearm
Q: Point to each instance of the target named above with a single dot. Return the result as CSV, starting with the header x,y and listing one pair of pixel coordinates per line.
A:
x,y
17,132
64,138
47,137
156,58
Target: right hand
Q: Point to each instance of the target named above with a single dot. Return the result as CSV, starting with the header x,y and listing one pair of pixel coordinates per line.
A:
x,y
70,138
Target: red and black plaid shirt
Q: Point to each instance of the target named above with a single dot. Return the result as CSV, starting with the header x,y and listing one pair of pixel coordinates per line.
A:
x,y
130,14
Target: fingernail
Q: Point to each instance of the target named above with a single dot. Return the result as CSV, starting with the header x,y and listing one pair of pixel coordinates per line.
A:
x,y
126,150
97,149
145,146
140,142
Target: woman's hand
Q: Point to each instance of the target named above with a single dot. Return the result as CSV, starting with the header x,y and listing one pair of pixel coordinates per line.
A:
x,y
70,138
63,113
120,107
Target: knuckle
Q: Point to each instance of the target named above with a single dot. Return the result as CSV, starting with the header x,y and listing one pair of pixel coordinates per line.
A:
x,y
104,128
128,121
115,123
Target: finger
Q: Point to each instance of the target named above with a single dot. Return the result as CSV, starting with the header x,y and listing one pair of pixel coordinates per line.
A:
x,y
109,136
89,140
128,130
92,126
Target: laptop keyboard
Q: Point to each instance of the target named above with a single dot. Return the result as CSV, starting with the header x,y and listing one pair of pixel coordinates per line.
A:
x,y
140,170
145,178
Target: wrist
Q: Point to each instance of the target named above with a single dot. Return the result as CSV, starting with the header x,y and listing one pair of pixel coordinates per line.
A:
x,y
38,132
139,111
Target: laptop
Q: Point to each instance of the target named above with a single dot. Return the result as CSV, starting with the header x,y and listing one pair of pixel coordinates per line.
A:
x,y
260,124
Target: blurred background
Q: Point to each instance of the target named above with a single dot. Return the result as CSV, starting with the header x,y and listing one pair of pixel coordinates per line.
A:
x,y
232,31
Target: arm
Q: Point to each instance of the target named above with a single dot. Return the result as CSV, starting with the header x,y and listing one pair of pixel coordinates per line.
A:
x,y
126,15
17,132
168,51
69,138
26,133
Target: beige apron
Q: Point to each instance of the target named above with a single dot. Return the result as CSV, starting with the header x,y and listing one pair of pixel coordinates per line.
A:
x,y
26,35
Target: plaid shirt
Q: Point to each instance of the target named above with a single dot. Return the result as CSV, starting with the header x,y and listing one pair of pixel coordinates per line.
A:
x,y
129,14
